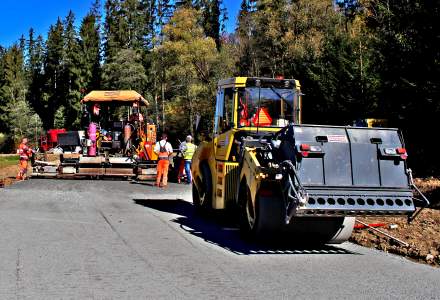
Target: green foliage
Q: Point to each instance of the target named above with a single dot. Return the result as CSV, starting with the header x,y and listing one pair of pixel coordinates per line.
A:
x,y
16,117
191,63
128,25
90,54
212,17
3,139
125,72
59,117
23,121
407,62
53,91
310,41
72,79
35,73
14,85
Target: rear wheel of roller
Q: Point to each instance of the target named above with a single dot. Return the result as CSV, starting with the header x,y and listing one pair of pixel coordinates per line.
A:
x,y
321,230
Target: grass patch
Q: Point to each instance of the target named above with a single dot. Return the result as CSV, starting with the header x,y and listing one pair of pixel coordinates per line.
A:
x,y
8,160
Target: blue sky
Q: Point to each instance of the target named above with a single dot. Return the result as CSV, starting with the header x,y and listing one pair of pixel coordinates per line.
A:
x,y
17,16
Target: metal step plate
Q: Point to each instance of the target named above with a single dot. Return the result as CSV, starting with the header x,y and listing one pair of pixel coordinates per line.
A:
x,y
356,205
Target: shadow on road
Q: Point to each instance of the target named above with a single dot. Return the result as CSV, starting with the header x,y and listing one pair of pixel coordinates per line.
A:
x,y
220,231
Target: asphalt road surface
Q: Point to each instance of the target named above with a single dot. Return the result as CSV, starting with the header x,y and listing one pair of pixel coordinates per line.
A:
x,y
81,239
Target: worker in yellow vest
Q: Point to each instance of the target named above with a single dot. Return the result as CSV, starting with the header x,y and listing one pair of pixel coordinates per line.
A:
x,y
188,149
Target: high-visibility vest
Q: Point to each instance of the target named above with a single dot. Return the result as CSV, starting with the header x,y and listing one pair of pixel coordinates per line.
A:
x,y
24,152
189,152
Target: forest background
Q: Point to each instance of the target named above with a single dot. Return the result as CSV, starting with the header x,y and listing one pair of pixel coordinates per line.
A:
x,y
355,59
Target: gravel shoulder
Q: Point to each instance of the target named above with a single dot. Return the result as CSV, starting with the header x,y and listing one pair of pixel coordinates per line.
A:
x,y
422,235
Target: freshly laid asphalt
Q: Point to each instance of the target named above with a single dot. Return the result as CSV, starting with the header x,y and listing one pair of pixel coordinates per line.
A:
x,y
82,239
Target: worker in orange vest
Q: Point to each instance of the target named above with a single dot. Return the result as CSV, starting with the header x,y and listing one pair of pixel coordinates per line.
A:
x,y
24,152
163,149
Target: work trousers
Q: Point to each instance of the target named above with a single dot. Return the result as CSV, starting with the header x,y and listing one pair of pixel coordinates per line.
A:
x,y
22,166
188,170
181,171
162,171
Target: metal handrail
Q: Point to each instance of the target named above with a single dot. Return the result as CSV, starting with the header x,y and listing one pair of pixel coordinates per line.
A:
x,y
413,185
300,192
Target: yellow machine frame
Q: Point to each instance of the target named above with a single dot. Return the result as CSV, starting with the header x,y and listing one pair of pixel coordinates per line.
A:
x,y
216,153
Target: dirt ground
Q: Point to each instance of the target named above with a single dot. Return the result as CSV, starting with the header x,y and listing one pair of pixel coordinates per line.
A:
x,y
422,235
431,187
9,171
7,174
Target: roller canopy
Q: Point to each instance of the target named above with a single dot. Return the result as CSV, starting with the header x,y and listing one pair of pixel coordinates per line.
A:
x,y
114,96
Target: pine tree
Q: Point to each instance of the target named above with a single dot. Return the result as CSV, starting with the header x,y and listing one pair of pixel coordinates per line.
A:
x,y
147,15
36,52
16,117
130,24
30,49
14,80
125,72
22,44
212,15
243,33
163,12
268,34
72,81
3,100
112,42
90,46
53,94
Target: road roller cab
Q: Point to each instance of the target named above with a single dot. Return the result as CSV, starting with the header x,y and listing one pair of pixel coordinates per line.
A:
x,y
307,181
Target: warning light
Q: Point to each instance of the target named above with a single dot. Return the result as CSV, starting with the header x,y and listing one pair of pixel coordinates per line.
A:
x,y
402,152
305,147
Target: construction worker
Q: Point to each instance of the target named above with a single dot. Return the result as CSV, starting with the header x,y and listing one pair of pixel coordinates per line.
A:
x,y
25,154
188,151
180,162
163,149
